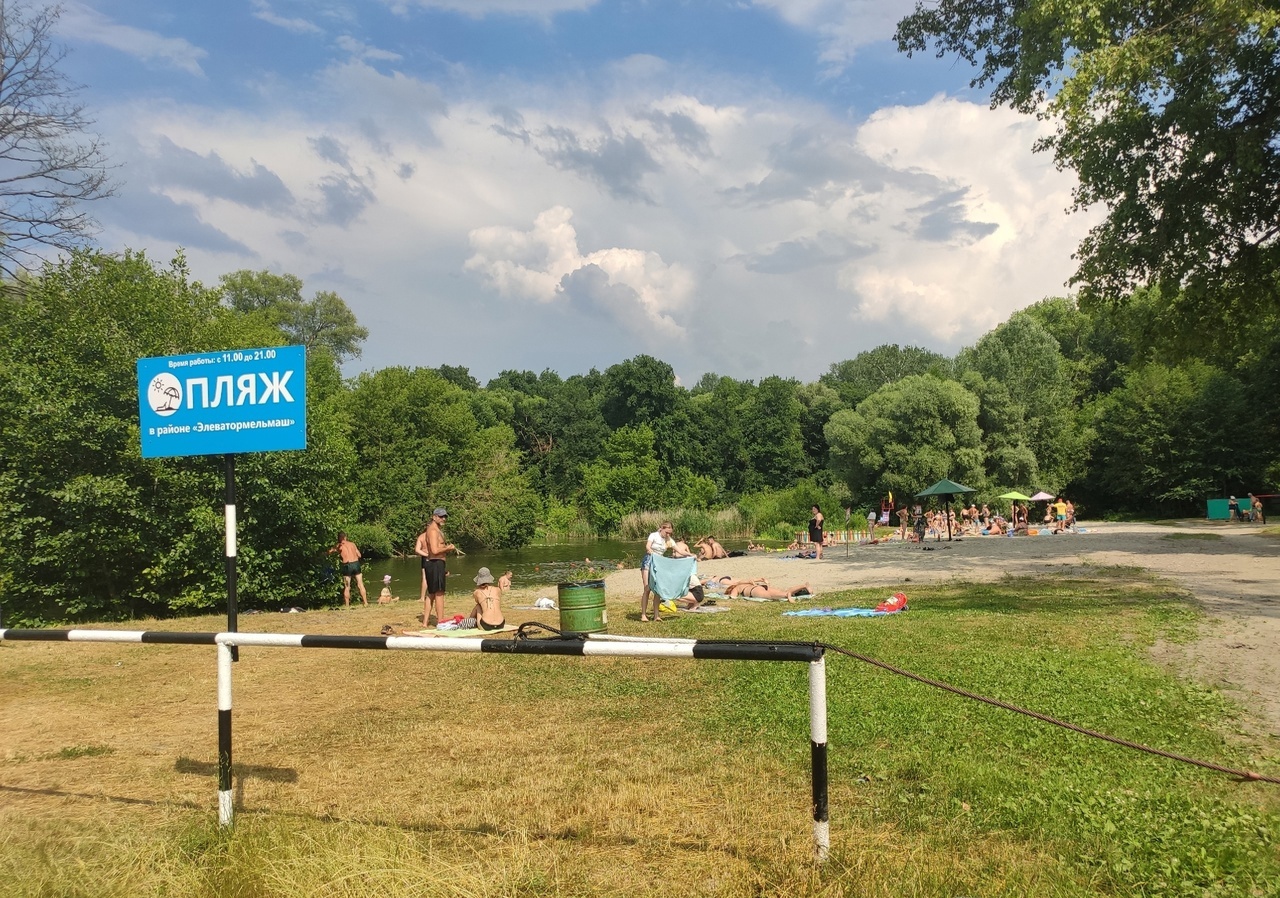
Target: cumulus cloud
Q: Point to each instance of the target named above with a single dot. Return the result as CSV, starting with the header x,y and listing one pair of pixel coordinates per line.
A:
x,y
86,24
545,264
997,236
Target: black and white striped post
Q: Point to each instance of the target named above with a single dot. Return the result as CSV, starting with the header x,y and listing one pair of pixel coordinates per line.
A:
x,y
597,645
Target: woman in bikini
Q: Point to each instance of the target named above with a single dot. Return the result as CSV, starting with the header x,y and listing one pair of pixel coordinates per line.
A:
x,y
487,614
761,590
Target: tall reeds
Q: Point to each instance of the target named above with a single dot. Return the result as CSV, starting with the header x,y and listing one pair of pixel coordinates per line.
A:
x,y
726,523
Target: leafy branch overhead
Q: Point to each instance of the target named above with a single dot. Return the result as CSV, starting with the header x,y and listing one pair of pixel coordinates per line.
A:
x,y
1168,113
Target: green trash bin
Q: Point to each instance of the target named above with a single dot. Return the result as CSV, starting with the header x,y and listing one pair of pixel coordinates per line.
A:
x,y
582,607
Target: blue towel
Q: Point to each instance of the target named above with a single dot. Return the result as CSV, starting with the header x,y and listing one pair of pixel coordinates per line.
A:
x,y
669,577
838,612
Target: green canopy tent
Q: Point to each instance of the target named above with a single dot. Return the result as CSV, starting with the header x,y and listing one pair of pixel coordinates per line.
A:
x,y
946,489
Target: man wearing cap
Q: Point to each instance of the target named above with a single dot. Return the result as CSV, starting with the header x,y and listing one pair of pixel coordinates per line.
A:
x,y
432,548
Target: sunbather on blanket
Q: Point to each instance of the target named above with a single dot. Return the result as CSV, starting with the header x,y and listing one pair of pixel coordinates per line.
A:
x,y
762,590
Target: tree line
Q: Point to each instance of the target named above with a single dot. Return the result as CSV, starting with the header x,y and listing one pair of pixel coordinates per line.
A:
x,y
1096,403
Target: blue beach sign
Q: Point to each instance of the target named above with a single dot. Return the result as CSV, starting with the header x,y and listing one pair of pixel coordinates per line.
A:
x,y
212,403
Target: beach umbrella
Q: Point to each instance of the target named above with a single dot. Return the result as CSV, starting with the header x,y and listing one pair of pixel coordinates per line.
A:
x,y
1042,496
1017,497
945,489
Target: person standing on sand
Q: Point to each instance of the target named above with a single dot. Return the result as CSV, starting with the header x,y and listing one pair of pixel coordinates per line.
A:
x,y
350,555
815,531
432,549
655,544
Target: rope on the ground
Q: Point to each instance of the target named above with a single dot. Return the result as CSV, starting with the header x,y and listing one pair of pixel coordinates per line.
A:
x,y
528,628
1084,731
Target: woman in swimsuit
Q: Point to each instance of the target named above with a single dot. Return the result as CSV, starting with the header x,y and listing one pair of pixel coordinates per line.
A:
x,y
762,590
487,614
815,531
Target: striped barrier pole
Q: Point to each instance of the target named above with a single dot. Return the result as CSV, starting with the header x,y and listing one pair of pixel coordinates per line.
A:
x,y
225,805
818,756
597,645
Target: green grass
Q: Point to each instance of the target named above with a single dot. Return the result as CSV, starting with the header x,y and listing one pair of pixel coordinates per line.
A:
x,y
1210,537
956,771
523,775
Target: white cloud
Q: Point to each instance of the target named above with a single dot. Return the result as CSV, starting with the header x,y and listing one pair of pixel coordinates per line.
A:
x,y
262,10
958,288
766,235
843,26
83,23
545,264
361,50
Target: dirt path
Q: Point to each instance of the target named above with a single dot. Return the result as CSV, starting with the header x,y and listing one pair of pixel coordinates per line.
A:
x,y
1230,570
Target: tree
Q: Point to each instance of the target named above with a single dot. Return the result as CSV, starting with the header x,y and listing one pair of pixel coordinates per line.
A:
x,y
48,167
624,479
772,436
1023,359
907,435
323,323
1169,115
857,378
638,391
1165,441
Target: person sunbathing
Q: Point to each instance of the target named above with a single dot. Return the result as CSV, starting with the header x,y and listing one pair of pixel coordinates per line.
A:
x,y
762,590
725,583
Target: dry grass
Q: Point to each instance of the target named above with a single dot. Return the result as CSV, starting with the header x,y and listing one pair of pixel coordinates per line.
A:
x,y
413,774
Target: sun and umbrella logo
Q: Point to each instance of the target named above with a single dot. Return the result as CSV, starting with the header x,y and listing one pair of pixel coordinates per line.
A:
x,y
164,394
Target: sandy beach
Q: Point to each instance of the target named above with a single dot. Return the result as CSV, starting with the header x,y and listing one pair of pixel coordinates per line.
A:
x,y
1235,579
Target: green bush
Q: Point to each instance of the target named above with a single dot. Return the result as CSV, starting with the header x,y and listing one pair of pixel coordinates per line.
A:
x,y
374,540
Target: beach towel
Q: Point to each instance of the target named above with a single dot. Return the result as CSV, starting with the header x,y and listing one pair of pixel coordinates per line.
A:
x,y
838,612
669,577
892,605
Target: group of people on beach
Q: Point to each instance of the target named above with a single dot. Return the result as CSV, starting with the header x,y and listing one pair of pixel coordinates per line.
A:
x,y
661,543
433,549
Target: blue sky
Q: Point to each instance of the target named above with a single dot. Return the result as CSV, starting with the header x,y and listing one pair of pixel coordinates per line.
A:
x,y
749,188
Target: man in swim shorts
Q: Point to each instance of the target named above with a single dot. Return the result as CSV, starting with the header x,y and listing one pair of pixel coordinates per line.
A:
x,y
432,549
350,555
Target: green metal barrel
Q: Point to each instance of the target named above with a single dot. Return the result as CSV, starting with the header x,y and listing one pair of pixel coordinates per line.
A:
x,y
582,607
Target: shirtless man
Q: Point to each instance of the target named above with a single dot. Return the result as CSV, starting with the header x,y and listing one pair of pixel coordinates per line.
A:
x,y
432,549
709,549
349,552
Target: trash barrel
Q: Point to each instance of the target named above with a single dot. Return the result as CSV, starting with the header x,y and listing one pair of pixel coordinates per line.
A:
x,y
582,607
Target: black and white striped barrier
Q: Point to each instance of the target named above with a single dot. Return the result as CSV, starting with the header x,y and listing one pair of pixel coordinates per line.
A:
x,y
595,645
